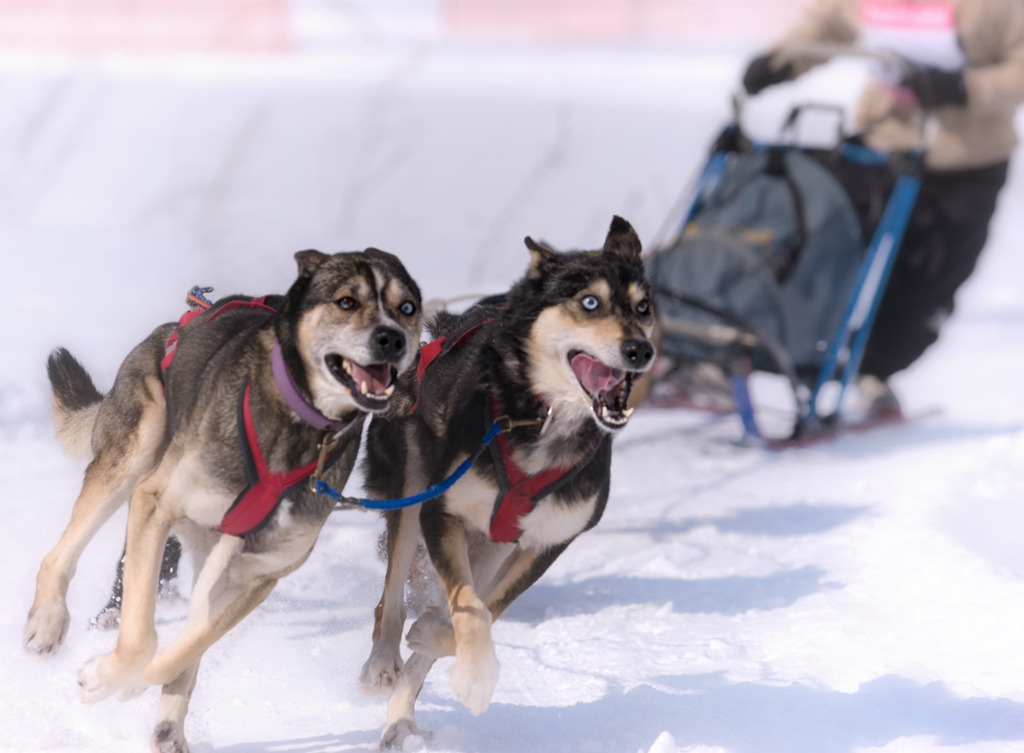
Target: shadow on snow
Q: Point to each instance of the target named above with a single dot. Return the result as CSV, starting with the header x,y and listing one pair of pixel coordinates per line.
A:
x,y
731,596
703,710
742,718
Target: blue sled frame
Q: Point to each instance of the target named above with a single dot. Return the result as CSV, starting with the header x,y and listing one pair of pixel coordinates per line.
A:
x,y
846,349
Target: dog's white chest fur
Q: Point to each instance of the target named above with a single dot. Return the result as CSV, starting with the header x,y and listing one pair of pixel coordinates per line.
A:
x,y
472,500
551,522
200,497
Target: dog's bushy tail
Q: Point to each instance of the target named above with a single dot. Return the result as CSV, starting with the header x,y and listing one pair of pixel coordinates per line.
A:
x,y
76,403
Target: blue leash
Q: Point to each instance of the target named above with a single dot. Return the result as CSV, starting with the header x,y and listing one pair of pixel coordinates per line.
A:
x,y
345,503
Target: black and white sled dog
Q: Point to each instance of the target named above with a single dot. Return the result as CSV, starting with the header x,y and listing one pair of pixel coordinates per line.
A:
x,y
550,364
219,444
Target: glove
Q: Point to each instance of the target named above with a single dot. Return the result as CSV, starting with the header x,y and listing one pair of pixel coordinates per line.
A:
x,y
937,88
761,73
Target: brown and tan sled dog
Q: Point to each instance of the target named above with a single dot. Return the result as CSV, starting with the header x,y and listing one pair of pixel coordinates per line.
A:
x,y
212,429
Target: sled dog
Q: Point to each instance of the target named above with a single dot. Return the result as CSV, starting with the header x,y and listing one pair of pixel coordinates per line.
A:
x,y
550,363
212,428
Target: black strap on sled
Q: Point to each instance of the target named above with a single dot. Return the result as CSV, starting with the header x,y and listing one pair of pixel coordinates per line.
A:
x,y
756,335
777,167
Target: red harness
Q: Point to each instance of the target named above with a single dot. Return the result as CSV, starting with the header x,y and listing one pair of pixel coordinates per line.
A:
x,y
253,507
171,346
518,492
266,488
432,350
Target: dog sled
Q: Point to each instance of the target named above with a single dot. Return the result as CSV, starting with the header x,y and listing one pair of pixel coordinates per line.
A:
x,y
778,266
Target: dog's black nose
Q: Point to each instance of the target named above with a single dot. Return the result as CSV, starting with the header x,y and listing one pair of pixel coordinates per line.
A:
x,y
389,344
637,352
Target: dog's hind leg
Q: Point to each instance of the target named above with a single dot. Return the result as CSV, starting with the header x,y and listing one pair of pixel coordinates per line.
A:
x,y
109,617
126,453
169,732
401,704
382,668
106,486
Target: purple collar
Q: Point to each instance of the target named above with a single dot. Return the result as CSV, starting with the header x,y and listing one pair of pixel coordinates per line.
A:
x,y
294,399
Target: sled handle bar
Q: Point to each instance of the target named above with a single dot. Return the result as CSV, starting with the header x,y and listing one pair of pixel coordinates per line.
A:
x,y
789,125
824,51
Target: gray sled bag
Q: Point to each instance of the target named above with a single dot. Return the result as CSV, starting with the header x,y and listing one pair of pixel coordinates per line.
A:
x,y
771,253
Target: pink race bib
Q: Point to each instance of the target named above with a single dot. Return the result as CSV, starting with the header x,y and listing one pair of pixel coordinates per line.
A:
x,y
923,33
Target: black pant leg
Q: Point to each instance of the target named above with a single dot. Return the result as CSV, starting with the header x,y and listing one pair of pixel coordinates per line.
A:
x,y
946,234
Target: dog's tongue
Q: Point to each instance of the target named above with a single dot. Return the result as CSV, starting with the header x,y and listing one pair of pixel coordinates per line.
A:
x,y
595,376
377,376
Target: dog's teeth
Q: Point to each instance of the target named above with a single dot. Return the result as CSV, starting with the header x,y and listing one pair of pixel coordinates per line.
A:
x,y
346,365
363,388
389,391
628,412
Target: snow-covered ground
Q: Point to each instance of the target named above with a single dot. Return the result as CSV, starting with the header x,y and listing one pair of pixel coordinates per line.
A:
x,y
865,594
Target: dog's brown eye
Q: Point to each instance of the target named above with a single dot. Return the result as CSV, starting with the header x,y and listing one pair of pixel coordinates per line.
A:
x,y
347,303
589,302
408,308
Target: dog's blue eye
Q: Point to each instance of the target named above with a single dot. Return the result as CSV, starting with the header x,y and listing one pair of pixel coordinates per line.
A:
x,y
589,302
644,307
408,308
347,304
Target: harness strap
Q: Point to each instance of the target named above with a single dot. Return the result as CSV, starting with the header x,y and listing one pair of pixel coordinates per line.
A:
x,y
171,346
519,492
431,492
253,507
435,348
265,489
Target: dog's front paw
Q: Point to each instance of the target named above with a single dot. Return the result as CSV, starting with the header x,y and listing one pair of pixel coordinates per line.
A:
x,y
45,628
432,634
475,676
169,738
100,678
404,735
381,670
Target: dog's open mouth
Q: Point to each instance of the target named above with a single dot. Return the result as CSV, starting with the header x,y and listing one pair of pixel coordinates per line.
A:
x,y
371,385
607,387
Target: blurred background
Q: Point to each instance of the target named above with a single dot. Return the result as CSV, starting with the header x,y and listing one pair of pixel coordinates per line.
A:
x,y
147,145
288,26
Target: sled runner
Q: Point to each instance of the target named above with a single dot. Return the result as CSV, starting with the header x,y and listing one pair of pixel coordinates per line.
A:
x,y
779,264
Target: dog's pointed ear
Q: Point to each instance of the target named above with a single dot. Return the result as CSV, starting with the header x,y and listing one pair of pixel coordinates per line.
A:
x,y
309,261
623,241
539,255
